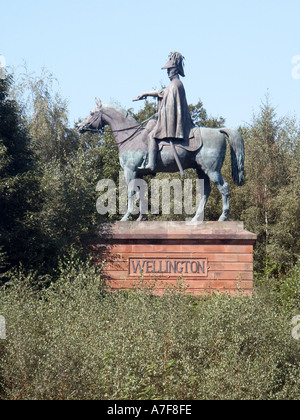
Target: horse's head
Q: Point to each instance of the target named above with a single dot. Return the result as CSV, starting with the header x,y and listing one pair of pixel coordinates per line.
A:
x,y
93,121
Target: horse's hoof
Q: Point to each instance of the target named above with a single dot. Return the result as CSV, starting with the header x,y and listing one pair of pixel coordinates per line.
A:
x,y
197,220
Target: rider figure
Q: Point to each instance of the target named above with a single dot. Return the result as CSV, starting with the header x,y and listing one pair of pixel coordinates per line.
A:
x,y
174,118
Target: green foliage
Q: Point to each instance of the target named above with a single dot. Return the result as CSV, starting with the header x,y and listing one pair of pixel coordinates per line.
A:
x,y
289,290
201,119
269,202
49,175
74,341
18,181
67,206
46,114
149,110
66,170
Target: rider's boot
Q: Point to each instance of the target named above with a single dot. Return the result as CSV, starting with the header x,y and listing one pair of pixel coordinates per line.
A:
x,y
152,161
152,154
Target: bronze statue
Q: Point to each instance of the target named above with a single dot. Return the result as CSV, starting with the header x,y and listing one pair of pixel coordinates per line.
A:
x,y
174,119
171,141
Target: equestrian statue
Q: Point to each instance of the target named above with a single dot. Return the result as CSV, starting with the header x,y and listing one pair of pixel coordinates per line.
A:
x,y
170,142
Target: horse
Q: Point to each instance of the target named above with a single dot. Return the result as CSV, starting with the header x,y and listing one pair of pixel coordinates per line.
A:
x,y
132,141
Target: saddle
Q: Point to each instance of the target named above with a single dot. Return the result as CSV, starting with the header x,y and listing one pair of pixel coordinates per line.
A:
x,y
192,144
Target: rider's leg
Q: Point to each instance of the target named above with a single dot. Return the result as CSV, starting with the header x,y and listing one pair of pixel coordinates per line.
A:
x,y
149,127
153,149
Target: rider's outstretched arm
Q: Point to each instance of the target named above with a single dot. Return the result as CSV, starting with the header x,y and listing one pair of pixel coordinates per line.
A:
x,y
155,94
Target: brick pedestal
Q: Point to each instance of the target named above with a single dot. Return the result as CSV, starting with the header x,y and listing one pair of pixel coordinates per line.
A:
x,y
209,256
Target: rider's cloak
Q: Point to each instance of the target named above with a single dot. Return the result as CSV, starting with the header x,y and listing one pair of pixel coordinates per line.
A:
x,y
174,118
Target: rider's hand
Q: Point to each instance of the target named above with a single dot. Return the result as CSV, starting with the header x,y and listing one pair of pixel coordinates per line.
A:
x,y
140,97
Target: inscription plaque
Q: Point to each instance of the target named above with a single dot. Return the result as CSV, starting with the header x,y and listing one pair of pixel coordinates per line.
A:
x,y
211,257
168,267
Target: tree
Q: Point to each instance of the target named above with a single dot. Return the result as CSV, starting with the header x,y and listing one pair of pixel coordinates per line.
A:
x,y
63,169
67,166
46,116
201,119
285,240
268,180
18,184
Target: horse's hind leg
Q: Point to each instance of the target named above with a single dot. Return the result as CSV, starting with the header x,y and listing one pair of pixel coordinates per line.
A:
x,y
141,215
130,176
223,187
199,216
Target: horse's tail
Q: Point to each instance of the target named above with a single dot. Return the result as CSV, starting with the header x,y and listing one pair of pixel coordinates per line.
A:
x,y
237,154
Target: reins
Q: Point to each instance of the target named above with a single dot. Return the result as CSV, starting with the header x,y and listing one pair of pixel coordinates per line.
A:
x,y
131,137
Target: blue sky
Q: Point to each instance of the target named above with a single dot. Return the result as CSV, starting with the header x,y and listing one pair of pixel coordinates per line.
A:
x,y
235,50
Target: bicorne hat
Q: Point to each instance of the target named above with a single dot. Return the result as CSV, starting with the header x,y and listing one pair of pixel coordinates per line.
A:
x,y
175,62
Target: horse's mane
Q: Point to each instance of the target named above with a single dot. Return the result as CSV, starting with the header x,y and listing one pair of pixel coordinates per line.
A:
x,y
125,114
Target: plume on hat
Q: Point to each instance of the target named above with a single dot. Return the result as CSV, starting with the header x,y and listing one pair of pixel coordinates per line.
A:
x,y
175,61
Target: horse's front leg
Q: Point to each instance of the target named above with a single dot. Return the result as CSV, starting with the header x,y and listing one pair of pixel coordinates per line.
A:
x,y
130,176
139,199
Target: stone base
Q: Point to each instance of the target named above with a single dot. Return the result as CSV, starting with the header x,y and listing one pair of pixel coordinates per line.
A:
x,y
208,256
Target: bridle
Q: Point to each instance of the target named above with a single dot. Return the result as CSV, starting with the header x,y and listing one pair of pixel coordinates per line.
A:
x,y
137,128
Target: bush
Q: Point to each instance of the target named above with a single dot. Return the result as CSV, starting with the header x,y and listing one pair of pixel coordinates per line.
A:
x,y
74,340
289,294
